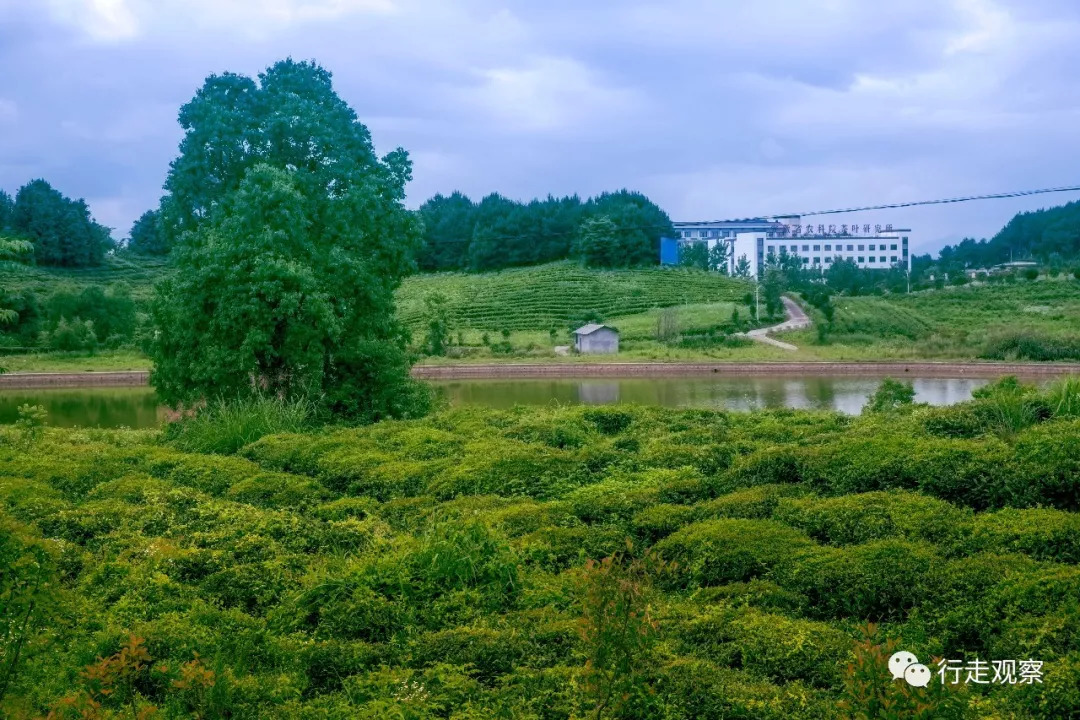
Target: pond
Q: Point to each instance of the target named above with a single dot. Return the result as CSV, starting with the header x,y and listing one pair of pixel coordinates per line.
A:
x,y
138,407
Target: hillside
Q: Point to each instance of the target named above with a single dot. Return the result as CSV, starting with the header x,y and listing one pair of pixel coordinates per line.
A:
x,y
413,569
138,272
964,321
545,296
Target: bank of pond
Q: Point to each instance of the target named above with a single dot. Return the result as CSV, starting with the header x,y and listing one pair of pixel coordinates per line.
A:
x,y
615,561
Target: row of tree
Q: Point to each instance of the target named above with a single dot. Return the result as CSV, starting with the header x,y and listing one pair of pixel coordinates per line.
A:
x,y
60,229
609,230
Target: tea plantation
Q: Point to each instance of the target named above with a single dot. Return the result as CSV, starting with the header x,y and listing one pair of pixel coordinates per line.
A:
x,y
1034,320
546,296
570,562
138,272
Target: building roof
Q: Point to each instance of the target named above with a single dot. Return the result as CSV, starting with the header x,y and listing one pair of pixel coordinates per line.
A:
x,y
591,328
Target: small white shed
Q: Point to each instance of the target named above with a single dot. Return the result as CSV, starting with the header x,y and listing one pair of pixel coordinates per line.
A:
x,y
594,339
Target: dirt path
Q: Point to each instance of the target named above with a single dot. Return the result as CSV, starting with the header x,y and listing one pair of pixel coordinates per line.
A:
x,y
617,370
796,320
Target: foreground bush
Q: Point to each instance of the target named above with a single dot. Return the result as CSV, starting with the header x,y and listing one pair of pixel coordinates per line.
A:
x,y
555,563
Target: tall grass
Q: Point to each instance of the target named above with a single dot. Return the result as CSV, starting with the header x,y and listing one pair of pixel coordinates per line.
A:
x,y
1027,345
226,426
1064,397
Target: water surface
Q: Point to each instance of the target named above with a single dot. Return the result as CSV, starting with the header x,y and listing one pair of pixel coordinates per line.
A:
x,y
138,407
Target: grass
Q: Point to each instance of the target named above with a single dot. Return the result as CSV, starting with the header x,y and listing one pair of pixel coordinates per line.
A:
x,y
225,427
100,361
544,563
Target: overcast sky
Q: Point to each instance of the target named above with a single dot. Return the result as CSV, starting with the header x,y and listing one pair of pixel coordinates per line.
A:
x,y
714,109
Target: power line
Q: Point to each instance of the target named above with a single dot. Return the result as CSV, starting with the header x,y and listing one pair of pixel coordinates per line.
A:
x,y
943,201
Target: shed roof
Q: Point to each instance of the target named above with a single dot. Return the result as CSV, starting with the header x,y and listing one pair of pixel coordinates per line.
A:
x,y
591,328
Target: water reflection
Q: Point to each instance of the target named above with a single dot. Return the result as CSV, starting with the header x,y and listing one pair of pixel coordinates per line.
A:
x,y
135,407
846,394
138,407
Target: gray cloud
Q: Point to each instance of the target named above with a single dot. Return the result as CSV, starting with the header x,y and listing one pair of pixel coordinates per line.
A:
x,y
715,109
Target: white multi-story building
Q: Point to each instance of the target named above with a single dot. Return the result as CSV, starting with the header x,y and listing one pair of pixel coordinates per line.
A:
x,y
816,245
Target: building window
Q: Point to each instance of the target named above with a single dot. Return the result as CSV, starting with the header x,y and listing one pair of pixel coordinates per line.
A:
x,y
817,260
893,258
850,248
892,247
828,248
817,248
904,239
806,259
860,260
806,248
871,248
861,248
881,259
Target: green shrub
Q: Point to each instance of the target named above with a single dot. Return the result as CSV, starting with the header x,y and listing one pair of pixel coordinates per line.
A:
x,y
359,508
508,468
485,653
883,579
557,548
226,426
764,467
714,552
279,490
1042,533
890,395
756,502
609,420
852,519
701,689
658,521
968,472
455,556
774,646
31,423
952,421
1057,696
957,588
1045,468
612,501
762,594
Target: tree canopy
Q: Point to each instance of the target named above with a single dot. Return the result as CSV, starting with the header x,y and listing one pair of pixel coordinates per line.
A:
x,y
60,229
146,237
289,238
496,232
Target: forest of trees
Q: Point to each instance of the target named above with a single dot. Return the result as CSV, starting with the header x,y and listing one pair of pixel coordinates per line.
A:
x,y
496,232
61,229
1050,236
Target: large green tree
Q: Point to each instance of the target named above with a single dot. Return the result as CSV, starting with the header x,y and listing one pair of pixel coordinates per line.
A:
x,y
146,236
61,229
290,237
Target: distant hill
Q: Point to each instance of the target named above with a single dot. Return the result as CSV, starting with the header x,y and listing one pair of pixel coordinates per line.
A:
x,y
1049,235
